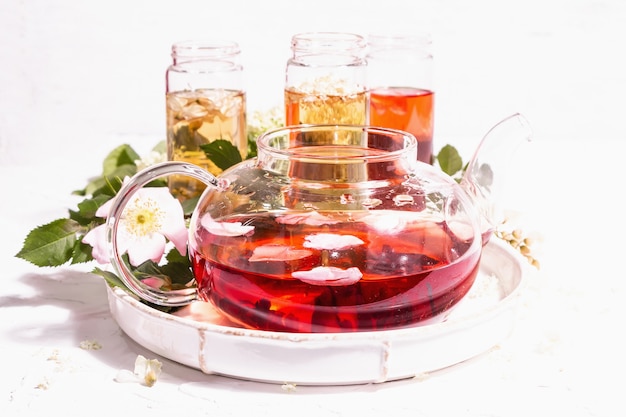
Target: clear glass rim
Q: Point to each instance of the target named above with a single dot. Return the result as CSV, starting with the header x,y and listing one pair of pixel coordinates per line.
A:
x,y
327,41
415,42
265,145
211,48
424,38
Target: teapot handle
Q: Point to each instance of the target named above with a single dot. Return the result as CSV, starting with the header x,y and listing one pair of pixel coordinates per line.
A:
x,y
173,298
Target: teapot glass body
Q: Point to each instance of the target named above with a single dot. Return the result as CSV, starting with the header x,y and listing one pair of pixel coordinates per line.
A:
x,y
331,228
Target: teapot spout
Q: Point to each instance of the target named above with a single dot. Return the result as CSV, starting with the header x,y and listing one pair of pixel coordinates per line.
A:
x,y
486,174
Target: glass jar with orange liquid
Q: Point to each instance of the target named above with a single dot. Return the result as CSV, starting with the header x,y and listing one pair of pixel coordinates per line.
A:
x,y
400,78
325,79
205,104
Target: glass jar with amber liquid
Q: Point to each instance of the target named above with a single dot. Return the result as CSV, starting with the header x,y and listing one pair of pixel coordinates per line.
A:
x,y
325,79
205,105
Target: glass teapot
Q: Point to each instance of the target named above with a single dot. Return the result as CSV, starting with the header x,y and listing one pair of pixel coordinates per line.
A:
x,y
333,228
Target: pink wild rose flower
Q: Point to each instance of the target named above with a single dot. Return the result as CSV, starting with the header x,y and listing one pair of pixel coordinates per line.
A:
x,y
152,217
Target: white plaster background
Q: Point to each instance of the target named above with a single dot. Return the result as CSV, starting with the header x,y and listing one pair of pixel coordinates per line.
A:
x,y
81,77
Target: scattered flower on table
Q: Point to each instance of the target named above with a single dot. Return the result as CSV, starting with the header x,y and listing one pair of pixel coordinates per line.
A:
x,y
146,372
288,387
90,345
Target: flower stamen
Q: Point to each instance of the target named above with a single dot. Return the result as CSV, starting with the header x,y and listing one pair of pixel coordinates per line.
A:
x,y
143,217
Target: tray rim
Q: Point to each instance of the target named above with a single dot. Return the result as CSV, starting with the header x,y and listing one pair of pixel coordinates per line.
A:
x,y
498,317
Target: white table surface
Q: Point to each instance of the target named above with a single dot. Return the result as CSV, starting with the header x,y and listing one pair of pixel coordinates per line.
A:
x,y
565,355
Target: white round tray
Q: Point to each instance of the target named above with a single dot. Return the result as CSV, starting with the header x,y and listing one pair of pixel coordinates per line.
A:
x,y
197,336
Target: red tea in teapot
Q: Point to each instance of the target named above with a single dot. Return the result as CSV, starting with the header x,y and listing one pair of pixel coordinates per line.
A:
x,y
312,272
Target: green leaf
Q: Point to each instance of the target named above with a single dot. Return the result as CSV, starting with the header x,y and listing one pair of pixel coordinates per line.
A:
x,y
175,256
223,153
449,160
159,182
110,184
120,162
112,279
147,269
81,253
51,244
115,281
88,207
252,149
122,155
176,272
178,268
78,218
160,147
179,273
184,136
189,205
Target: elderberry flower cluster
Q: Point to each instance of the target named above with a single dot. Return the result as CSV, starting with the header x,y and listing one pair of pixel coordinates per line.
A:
x,y
520,242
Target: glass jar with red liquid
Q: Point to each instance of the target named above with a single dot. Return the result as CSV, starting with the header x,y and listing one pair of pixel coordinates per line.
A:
x,y
400,80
